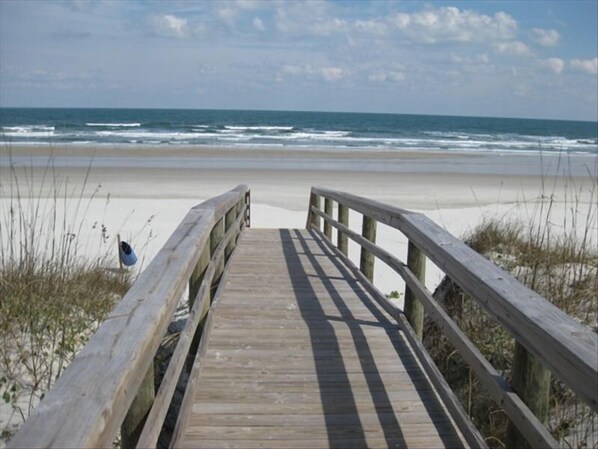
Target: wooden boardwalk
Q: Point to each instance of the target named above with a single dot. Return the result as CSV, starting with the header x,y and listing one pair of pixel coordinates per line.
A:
x,y
298,355
300,349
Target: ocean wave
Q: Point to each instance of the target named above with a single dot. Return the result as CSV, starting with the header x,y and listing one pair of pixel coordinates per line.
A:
x,y
28,128
136,135
30,131
258,128
344,139
115,125
306,136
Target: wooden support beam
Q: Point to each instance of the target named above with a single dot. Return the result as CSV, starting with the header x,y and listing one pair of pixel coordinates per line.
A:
x,y
229,220
531,381
313,220
215,238
248,209
367,259
328,211
198,274
134,420
342,239
414,309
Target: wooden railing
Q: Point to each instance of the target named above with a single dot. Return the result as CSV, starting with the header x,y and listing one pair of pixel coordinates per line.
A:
x,y
555,340
110,383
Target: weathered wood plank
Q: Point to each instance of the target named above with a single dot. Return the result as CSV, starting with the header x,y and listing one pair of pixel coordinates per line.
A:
x,y
316,442
187,403
414,310
313,419
531,381
309,349
367,259
342,240
313,220
276,399
328,210
134,420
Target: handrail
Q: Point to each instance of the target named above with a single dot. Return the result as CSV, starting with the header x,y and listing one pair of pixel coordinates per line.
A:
x,y
155,419
87,405
566,347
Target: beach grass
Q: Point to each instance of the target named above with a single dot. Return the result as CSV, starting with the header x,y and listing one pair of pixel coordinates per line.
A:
x,y
558,260
53,294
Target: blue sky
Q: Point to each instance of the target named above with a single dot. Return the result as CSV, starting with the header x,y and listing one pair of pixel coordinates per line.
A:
x,y
496,58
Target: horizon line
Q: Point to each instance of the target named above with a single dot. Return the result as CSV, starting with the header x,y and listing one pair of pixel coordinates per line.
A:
x,y
301,111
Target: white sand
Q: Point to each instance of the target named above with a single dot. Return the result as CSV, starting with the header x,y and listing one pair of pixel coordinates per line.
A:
x,y
143,193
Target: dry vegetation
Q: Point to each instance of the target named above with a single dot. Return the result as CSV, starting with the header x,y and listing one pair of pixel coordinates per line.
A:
x,y
51,298
559,260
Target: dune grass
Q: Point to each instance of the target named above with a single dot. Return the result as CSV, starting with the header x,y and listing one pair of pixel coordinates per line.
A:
x,y
558,258
53,294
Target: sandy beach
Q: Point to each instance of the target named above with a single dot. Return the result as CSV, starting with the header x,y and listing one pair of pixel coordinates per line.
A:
x,y
142,193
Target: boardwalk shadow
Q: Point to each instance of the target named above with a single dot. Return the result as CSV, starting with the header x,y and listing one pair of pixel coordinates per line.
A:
x,y
338,399
445,430
323,338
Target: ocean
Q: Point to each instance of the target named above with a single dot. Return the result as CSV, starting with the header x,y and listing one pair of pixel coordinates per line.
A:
x,y
288,130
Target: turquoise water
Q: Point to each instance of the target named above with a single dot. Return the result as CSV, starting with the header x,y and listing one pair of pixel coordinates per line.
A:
x,y
287,130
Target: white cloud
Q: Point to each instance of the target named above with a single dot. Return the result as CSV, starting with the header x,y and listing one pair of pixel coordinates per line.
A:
x,y
327,27
258,24
168,25
372,26
227,15
449,24
295,17
478,59
516,48
555,64
383,76
200,29
588,65
331,73
546,38
326,73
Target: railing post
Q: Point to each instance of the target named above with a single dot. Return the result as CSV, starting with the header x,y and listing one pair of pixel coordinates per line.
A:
x,y
238,209
197,275
414,309
132,425
248,209
313,220
531,381
327,224
215,238
342,239
366,263
229,219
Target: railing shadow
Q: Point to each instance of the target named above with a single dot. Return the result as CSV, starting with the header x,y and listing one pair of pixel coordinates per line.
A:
x,y
324,340
382,401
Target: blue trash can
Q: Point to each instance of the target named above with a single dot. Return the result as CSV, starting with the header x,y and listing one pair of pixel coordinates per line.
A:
x,y
126,254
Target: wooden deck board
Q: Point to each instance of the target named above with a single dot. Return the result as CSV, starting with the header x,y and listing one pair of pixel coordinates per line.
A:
x,y
299,355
